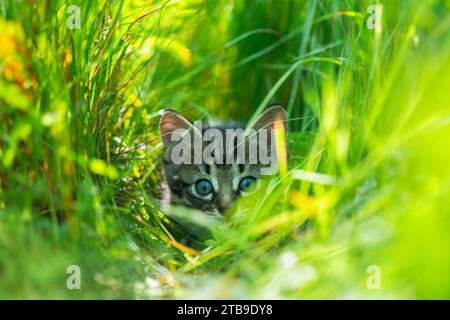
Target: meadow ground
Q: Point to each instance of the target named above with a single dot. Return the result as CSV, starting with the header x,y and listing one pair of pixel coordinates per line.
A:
x,y
360,211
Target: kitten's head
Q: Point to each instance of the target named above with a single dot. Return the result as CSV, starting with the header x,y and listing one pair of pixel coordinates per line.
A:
x,y
212,185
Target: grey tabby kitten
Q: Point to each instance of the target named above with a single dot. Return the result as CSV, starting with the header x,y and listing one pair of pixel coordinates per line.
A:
x,y
211,188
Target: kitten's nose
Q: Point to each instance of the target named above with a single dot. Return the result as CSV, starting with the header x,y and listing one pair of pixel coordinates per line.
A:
x,y
224,203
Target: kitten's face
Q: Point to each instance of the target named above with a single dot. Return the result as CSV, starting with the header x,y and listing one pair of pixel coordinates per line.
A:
x,y
208,186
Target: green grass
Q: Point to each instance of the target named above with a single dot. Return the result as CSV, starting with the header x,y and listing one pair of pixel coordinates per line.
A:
x,y
368,111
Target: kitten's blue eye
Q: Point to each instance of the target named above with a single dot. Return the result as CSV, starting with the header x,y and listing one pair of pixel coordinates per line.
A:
x,y
203,187
246,183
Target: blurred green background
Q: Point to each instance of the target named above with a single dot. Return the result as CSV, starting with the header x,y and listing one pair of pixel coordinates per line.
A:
x,y
362,212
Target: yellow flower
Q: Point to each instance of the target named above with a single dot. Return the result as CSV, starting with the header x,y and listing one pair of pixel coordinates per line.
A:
x,y
306,203
8,46
9,38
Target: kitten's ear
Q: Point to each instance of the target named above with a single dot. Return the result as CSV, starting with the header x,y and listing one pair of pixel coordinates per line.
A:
x,y
269,118
171,121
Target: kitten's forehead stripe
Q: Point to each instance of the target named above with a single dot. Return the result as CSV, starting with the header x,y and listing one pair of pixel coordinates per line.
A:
x,y
235,176
213,176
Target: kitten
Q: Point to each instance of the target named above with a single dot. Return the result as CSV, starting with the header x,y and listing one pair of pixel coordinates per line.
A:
x,y
212,186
